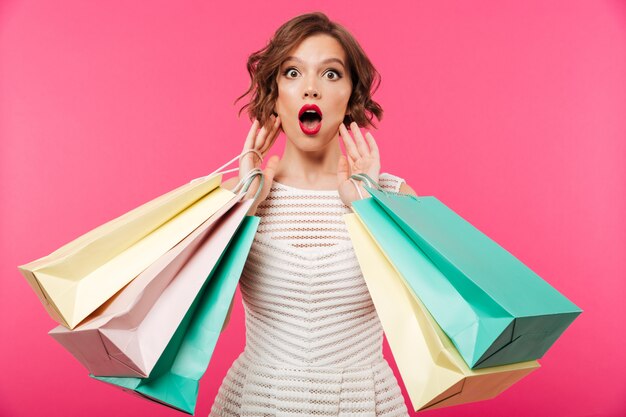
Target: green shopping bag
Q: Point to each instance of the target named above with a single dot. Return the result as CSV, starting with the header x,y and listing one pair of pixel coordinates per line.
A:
x,y
495,309
175,379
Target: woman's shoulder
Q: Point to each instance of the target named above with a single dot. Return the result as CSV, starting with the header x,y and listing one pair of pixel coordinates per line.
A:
x,y
390,182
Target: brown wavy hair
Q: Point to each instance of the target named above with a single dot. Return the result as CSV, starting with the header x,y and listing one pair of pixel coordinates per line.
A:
x,y
263,67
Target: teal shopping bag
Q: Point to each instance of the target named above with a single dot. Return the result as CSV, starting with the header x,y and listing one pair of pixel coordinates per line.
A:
x,y
495,309
175,379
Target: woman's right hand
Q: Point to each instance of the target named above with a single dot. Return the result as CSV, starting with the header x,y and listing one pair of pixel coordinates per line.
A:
x,y
260,140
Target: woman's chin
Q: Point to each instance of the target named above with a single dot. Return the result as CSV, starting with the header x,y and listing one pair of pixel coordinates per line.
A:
x,y
309,143
326,133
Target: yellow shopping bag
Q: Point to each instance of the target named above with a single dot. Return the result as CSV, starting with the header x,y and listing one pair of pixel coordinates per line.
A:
x,y
76,279
433,372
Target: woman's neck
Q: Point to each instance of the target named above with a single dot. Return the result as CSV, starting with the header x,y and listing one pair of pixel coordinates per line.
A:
x,y
310,170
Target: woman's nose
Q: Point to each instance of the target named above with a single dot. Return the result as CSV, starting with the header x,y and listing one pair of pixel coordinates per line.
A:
x,y
311,92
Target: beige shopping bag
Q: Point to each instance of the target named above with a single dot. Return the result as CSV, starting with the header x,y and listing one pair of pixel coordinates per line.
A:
x,y
433,372
127,335
79,277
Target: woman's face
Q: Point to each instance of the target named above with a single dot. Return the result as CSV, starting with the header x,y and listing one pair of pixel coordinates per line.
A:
x,y
314,74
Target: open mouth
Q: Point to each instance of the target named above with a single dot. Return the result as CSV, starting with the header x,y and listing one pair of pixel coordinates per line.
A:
x,y
310,118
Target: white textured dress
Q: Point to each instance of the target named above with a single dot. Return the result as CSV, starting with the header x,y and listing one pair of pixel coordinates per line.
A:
x,y
313,339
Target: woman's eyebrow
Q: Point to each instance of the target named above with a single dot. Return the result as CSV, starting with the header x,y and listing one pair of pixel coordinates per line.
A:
x,y
326,61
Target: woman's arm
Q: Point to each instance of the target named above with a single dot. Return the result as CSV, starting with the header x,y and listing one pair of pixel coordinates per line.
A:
x,y
230,310
230,183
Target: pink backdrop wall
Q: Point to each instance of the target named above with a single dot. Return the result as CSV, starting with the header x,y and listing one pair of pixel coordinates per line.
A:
x,y
510,112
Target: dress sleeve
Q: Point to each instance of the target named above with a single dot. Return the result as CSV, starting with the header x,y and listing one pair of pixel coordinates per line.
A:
x,y
390,182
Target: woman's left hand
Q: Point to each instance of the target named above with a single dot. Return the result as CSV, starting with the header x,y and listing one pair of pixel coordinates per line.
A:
x,y
363,158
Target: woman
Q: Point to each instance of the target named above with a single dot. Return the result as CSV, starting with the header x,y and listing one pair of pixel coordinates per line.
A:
x,y
313,339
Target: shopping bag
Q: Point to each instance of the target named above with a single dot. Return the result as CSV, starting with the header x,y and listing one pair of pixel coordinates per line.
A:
x,y
174,380
79,277
433,372
495,309
128,334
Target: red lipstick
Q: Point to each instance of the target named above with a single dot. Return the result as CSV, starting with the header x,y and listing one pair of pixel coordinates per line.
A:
x,y
310,126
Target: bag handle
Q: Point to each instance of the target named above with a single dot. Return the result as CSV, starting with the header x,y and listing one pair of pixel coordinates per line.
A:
x,y
238,157
244,184
368,180
358,190
373,184
221,170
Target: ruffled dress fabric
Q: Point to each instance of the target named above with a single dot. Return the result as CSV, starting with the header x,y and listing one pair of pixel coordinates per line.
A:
x,y
313,339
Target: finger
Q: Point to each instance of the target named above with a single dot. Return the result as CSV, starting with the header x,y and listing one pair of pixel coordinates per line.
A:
x,y
260,137
248,161
269,141
270,168
266,133
372,144
249,143
348,143
360,140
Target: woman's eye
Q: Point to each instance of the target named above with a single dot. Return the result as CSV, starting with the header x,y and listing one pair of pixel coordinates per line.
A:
x,y
330,74
291,72
333,75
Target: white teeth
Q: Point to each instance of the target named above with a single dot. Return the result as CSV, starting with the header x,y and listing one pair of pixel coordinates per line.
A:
x,y
310,111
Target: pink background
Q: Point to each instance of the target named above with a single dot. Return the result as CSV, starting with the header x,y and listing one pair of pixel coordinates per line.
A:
x,y
511,112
